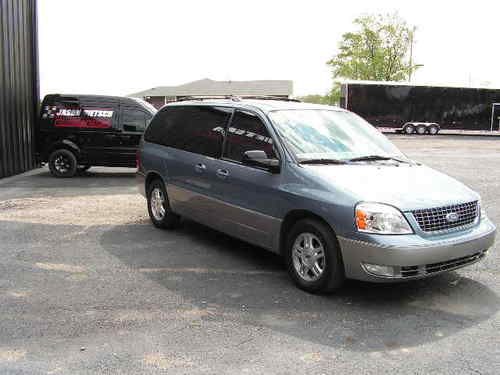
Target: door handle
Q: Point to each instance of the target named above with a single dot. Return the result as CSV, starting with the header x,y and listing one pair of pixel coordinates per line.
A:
x,y
200,168
222,173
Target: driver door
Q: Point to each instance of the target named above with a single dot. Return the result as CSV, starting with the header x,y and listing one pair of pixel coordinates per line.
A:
x,y
248,196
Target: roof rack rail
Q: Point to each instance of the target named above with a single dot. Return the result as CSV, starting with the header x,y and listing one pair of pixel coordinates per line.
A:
x,y
202,97
268,97
237,98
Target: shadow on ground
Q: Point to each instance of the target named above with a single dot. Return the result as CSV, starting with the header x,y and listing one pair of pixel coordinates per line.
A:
x,y
102,180
234,280
99,174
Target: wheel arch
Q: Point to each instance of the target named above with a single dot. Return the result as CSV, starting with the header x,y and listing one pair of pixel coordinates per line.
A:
x,y
292,217
150,177
65,144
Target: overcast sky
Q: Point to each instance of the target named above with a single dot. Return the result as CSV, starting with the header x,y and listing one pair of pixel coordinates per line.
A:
x,y
122,46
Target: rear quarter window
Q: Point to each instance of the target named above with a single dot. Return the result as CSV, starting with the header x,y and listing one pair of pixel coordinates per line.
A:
x,y
197,129
156,132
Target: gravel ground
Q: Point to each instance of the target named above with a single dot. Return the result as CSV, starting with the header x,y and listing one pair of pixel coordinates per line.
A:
x,y
87,284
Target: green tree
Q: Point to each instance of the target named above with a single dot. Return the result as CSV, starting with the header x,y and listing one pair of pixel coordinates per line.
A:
x,y
315,99
331,98
380,49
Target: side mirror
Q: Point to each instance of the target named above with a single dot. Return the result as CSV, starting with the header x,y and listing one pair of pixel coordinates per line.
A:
x,y
259,158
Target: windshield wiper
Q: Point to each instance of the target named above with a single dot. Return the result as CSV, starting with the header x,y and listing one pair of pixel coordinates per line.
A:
x,y
323,161
378,157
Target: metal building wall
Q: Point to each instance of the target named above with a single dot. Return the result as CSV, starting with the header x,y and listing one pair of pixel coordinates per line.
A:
x,y
19,92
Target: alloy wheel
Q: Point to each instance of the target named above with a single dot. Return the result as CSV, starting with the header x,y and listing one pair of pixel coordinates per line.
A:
x,y
308,255
62,164
157,204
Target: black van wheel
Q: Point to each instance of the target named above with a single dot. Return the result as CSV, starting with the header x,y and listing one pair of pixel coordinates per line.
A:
x,y
159,208
313,257
62,163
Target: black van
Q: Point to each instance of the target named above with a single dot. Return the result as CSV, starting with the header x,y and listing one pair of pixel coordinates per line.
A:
x,y
76,132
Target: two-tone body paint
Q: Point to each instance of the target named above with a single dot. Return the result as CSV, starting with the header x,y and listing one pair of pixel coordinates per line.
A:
x,y
251,203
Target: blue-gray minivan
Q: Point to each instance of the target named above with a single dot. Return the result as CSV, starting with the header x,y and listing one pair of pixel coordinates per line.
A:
x,y
316,184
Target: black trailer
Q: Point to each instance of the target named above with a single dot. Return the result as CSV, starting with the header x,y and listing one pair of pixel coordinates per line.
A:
x,y
423,109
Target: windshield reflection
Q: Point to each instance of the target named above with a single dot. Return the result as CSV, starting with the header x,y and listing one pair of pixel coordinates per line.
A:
x,y
332,134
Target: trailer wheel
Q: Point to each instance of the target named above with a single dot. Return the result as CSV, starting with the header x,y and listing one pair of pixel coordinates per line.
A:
x,y
421,129
408,129
433,130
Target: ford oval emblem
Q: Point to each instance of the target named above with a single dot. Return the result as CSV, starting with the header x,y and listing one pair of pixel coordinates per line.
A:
x,y
452,217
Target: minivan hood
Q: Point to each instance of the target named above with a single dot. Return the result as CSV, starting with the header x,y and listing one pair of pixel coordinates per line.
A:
x,y
405,186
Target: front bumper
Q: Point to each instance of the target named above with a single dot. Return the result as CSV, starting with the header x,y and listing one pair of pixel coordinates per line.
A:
x,y
413,256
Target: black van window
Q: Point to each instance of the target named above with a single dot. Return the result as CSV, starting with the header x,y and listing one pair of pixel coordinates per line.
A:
x,y
133,120
247,132
190,128
71,112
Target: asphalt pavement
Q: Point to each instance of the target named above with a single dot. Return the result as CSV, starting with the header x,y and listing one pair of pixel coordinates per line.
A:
x,y
88,285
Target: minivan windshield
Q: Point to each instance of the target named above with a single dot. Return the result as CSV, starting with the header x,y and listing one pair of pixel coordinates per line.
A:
x,y
332,135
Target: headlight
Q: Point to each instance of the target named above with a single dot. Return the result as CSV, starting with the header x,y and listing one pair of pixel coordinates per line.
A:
x,y
381,219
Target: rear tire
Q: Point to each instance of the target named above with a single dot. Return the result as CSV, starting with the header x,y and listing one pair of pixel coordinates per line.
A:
x,y
62,163
313,257
159,207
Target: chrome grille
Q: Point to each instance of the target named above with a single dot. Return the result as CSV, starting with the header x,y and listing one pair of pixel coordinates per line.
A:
x,y
434,219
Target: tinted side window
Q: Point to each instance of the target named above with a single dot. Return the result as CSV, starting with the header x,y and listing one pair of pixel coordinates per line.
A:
x,y
247,132
133,120
155,132
190,128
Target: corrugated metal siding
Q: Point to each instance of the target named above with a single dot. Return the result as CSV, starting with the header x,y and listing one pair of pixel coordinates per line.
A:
x,y
19,93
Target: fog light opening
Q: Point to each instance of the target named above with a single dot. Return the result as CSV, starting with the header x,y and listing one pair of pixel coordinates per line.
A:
x,y
380,270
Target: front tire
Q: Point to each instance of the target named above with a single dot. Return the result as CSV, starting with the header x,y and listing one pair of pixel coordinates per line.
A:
x,y
62,163
313,257
159,207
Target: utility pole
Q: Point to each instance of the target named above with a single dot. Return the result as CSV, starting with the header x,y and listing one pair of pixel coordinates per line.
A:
x,y
412,35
